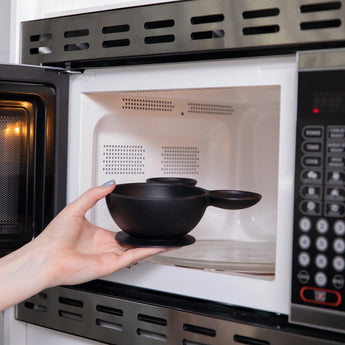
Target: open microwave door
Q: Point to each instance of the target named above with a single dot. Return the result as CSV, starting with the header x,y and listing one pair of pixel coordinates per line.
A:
x,y
33,146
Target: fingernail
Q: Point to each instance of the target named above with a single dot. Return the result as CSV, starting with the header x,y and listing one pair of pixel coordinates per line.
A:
x,y
108,184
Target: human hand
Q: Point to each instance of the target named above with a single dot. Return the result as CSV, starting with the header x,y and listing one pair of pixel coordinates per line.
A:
x,y
75,251
69,251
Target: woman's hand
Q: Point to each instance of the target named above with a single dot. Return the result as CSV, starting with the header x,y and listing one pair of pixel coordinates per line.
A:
x,y
69,251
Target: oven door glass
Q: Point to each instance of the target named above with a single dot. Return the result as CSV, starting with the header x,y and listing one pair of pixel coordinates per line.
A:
x,y
32,151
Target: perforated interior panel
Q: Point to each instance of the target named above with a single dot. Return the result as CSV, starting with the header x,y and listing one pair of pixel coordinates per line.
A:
x,y
13,130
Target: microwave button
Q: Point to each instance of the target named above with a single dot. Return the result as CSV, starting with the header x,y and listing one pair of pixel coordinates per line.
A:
x,y
311,192
304,242
336,162
338,281
311,176
336,132
321,296
338,263
312,147
310,207
339,227
303,277
336,147
304,259
339,246
335,193
311,161
320,279
335,209
305,224
321,243
322,226
321,261
313,132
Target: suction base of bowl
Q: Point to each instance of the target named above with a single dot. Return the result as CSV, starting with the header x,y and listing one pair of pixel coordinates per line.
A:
x,y
129,240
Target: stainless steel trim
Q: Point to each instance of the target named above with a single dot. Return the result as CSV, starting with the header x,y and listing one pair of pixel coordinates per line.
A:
x,y
325,59
184,27
317,317
125,322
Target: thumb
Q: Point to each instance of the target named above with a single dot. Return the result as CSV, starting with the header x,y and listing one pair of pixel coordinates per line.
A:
x,y
87,200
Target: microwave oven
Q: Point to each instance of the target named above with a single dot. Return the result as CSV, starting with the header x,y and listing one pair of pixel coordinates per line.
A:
x,y
222,93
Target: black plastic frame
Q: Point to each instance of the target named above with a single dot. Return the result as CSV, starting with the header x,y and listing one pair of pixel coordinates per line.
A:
x,y
47,90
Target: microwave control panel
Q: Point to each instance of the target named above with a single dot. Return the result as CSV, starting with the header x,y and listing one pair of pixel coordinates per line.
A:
x,y
318,267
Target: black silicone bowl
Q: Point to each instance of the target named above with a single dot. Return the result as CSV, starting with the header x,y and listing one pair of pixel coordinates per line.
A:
x,y
158,211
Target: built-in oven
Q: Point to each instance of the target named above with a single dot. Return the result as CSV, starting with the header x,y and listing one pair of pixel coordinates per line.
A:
x,y
238,96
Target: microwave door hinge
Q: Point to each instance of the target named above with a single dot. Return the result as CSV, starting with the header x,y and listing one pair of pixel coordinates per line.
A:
x,y
69,70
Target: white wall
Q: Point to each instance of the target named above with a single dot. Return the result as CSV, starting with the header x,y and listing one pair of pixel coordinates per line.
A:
x,y
5,6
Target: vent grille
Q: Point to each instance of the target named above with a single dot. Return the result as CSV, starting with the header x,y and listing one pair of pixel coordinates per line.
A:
x,y
210,109
179,160
183,27
123,159
148,104
115,320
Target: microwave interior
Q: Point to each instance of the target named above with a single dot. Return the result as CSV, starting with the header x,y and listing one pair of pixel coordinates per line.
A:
x,y
224,137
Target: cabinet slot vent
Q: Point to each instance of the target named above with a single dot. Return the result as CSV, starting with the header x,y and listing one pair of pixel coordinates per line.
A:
x,y
76,33
159,24
268,12
36,307
69,315
41,38
320,24
259,30
199,330
72,302
240,339
151,335
202,35
213,18
159,39
324,6
109,325
152,319
109,310
76,46
41,50
188,342
116,43
114,29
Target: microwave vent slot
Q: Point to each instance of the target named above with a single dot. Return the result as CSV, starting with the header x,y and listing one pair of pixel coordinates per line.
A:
x,y
259,30
147,104
180,160
267,12
210,109
321,24
114,29
123,159
213,18
159,39
319,7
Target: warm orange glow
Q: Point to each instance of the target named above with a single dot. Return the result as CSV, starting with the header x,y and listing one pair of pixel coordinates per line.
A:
x,y
13,129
